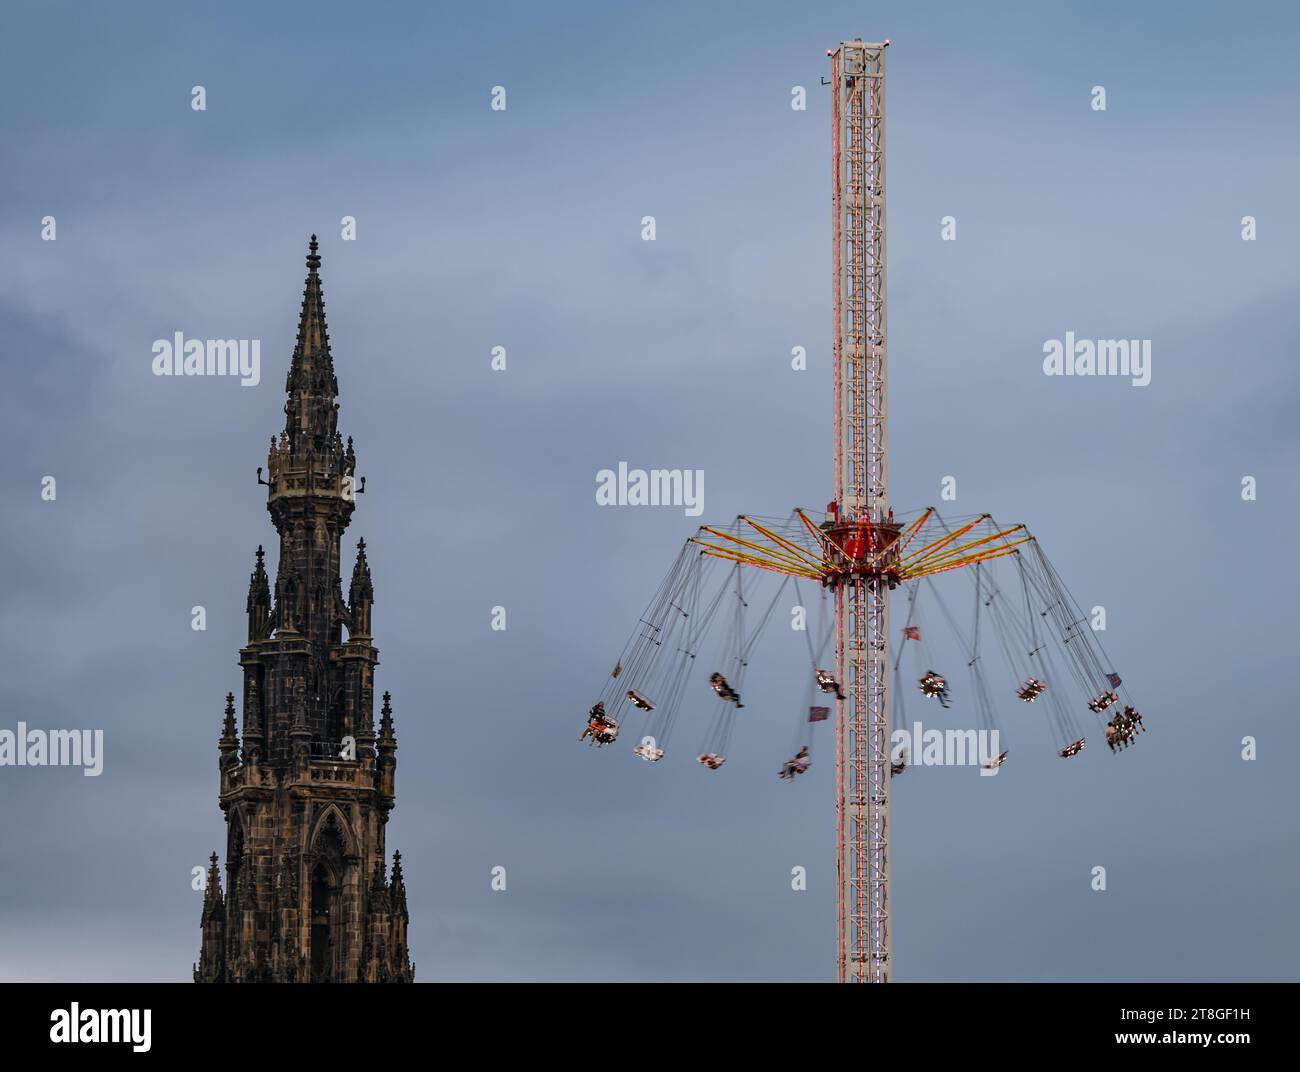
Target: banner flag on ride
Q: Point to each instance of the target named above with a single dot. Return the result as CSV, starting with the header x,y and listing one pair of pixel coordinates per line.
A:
x,y
911,632
1114,680
818,714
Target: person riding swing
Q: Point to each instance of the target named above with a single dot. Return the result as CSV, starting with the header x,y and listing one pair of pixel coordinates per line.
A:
x,y
724,690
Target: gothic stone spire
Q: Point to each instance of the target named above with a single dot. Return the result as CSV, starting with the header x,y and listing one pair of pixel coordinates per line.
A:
x,y
310,412
306,813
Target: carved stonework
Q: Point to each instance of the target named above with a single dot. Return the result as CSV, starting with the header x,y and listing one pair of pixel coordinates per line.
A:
x,y
305,826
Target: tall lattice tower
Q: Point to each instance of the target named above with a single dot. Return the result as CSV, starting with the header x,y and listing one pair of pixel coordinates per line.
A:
x,y
862,501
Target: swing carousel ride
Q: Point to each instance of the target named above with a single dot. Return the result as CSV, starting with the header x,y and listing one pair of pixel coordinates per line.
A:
x,y
1027,640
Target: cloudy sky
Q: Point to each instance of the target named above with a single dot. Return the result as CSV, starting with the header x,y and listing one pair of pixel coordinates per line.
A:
x,y
522,228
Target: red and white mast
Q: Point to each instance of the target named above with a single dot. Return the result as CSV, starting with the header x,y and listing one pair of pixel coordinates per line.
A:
x,y
861,492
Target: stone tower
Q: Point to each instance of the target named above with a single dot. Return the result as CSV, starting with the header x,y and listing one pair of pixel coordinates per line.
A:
x,y
307,787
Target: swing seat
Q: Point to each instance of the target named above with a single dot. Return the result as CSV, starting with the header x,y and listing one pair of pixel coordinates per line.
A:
x,y
712,760
723,688
1102,702
1072,749
933,685
1031,690
639,701
1121,729
827,683
994,764
649,753
794,767
602,732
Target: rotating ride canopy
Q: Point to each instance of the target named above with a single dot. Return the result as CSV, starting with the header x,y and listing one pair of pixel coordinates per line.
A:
x,y
705,610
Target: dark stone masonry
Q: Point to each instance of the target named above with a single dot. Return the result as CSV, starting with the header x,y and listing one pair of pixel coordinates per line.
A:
x,y
308,786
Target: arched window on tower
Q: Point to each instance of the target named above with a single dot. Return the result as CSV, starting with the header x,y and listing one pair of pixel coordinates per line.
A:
x,y
234,858
326,906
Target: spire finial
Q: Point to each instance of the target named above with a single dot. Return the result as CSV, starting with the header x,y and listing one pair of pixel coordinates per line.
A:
x,y
211,888
310,414
228,725
361,587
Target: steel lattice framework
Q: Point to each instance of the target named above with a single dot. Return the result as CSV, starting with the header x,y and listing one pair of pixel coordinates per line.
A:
x,y
862,493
